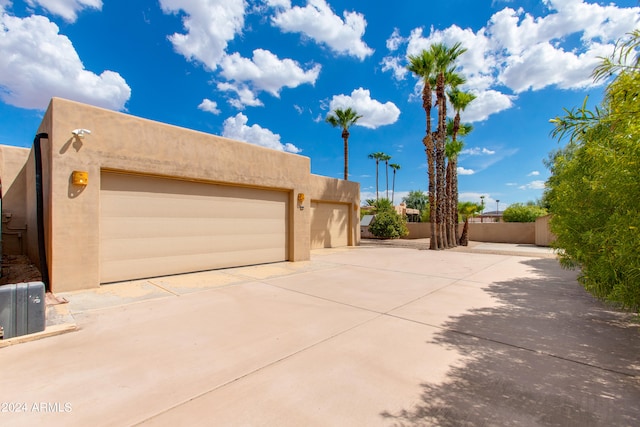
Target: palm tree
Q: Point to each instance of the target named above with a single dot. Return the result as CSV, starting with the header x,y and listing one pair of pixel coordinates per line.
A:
x,y
423,66
444,57
379,155
467,209
452,149
459,101
386,159
395,167
344,119
435,67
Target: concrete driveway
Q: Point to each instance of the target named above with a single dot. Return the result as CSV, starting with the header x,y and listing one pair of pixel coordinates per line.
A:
x,y
355,337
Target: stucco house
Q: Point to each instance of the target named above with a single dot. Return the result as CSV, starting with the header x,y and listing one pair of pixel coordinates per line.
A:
x,y
125,198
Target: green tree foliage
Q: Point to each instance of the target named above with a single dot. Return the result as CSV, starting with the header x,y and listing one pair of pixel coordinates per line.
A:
x,y
416,199
518,212
594,190
388,224
382,205
466,210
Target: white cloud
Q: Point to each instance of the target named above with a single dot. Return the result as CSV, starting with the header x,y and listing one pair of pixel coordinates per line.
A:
x,y
463,171
543,65
67,9
266,72
534,173
209,106
487,102
236,128
477,151
516,51
209,25
245,96
43,64
533,185
394,64
374,113
395,40
317,21
279,3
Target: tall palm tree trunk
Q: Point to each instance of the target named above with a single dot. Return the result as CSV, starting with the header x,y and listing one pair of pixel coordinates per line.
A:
x,y
386,171
452,236
377,180
429,146
440,162
345,137
393,187
454,199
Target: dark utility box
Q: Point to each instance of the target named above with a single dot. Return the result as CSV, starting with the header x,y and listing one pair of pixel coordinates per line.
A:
x,y
22,309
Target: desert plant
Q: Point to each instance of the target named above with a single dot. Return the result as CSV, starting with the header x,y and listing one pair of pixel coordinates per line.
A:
x,y
389,225
518,212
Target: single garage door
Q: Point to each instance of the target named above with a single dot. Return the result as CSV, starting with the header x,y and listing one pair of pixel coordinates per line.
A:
x,y
329,225
152,226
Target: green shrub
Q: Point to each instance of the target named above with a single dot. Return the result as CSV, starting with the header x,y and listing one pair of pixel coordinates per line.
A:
x,y
593,191
389,225
522,213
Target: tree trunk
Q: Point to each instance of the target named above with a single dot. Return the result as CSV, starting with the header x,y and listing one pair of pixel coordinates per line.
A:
x,y
345,136
429,148
386,171
428,143
452,209
464,238
440,159
377,168
454,198
393,187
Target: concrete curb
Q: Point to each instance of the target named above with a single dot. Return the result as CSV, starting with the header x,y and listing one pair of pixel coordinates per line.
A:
x,y
48,332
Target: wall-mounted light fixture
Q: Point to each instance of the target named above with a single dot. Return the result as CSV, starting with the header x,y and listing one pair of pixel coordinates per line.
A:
x,y
301,201
80,178
80,133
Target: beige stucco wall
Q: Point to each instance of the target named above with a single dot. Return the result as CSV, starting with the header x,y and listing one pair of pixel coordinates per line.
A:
x,y
544,236
14,189
334,190
121,142
499,232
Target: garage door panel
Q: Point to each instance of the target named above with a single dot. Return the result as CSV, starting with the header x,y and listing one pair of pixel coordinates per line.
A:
x,y
126,228
195,245
329,225
155,267
156,226
124,204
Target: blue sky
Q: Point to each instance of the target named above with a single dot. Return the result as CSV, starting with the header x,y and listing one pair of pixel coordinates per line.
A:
x,y
269,71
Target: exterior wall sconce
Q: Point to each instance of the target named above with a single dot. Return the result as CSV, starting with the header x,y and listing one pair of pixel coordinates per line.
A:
x,y
80,178
80,133
301,201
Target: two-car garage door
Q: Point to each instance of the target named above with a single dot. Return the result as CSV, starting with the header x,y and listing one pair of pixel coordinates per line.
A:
x,y
152,226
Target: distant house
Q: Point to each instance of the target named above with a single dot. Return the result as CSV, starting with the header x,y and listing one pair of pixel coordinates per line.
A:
x,y
413,215
489,216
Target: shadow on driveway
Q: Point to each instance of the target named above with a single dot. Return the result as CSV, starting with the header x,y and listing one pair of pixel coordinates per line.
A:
x,y
550,355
